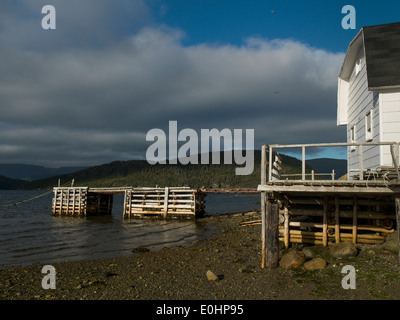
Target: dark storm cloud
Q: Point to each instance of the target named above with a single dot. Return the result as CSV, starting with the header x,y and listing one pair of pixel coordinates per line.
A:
x,y
91,102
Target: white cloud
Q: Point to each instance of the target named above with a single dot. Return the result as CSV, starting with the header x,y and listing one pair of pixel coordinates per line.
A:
x,y
104,99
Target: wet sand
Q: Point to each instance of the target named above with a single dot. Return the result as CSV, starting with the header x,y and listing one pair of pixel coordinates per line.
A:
x,y
233,253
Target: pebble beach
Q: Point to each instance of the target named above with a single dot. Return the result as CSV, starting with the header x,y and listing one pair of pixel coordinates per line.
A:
x,y
232,255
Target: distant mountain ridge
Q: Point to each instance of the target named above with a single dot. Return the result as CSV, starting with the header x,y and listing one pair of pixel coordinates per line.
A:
x,y
139,173
32,172
8,183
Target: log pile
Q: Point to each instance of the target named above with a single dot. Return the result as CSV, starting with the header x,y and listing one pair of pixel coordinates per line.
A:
x,y
327,220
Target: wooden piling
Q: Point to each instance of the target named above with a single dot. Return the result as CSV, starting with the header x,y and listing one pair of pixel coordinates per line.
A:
x,y
263,227
272,235
397,206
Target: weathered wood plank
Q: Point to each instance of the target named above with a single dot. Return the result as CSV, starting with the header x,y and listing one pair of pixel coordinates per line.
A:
x,y
272,235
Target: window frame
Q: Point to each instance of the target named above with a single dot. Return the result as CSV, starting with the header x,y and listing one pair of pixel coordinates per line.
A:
x,y
369,125
353,138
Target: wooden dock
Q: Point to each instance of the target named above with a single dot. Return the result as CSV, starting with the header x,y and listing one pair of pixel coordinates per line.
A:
x,y
164,202
231,190
138,202
325,212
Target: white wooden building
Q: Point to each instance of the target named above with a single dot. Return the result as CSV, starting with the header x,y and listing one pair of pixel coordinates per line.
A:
x,y
369,94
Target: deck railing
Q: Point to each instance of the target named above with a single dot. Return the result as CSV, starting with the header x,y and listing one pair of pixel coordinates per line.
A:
x,y
274,164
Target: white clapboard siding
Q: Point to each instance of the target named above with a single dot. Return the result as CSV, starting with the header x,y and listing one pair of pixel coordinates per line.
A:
x,y
360,102
390,128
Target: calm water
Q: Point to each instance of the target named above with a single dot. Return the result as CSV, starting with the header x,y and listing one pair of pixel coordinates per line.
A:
x,y
29,233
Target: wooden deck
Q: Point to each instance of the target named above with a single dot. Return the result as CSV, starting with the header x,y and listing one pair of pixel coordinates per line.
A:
x,y
325,212
365,187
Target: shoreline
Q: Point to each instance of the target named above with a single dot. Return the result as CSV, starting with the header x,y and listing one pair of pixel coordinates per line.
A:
x,y
232,253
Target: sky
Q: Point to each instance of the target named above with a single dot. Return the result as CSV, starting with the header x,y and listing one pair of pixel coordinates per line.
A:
x,y
87,92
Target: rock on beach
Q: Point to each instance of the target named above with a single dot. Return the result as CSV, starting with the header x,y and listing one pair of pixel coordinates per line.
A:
x,y
292,260
343,250
315,264
211,276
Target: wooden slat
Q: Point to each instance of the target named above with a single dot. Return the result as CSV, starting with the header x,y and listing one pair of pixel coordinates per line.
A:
x,y
337,219
325,223
355,213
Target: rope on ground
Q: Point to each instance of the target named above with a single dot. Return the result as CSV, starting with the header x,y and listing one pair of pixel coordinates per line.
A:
x,y
30,199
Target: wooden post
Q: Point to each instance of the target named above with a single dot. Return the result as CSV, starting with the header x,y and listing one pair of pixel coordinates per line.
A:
x,y
270,164
355,211
398,221
73,202
124,212
312,175
130,204
98,203
325,223
166,202
61,201
286,226
68,191
272,235
263,165
109,204
333,174
337,224
303,164
194,203
394,150
263,226
361,162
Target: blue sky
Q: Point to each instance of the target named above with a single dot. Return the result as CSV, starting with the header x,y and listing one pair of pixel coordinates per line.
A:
x,y
88,92
316,23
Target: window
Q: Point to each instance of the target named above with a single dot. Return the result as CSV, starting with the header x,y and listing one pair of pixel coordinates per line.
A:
x,y
368,126
353,134
353,137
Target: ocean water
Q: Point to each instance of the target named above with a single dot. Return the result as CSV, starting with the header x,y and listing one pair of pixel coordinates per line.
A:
x,y
30,234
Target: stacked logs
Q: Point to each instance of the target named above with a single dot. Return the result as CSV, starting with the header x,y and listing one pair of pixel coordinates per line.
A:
x,y
327,220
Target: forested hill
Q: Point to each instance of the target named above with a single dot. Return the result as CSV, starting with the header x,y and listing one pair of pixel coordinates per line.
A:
x,y
138,173
8,183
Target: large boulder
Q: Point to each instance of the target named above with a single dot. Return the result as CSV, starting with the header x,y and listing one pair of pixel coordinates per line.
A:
x,y
315,264
343,250
392,242
292,260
